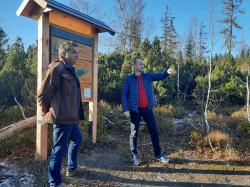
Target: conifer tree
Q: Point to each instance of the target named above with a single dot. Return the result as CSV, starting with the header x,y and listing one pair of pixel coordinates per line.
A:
x,y
189,48
11,75
169,34
231,9
126,66
3,42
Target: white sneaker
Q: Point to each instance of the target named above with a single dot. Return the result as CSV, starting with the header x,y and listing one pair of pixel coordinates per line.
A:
x,y
163,158
136,160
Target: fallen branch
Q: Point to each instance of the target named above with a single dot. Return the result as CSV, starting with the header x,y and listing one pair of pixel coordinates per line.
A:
x,y
14,128
21,108
108,120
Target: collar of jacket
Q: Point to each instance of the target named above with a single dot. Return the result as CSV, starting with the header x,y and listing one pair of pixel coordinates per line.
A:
x,y
134,75
70,69
66,63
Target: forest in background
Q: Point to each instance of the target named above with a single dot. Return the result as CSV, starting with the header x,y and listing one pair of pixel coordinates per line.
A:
x,y
215,83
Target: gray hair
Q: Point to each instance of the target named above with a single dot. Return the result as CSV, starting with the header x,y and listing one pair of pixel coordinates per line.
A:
x,y
136,60
66,47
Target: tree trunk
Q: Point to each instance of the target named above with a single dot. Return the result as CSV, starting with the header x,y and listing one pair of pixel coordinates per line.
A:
x,y
248,115
15,128
211,31
178,81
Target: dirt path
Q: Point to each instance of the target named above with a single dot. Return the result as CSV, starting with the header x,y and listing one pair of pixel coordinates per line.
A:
x,y
103,167
108,164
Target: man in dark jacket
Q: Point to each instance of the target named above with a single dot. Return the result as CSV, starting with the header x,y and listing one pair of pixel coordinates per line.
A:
x,y
137,88
60,101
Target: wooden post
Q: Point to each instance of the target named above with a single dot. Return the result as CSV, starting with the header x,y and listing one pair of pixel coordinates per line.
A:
x,y
93,104
43,62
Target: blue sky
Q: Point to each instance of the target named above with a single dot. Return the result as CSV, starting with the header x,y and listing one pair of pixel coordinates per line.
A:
x,y
183,10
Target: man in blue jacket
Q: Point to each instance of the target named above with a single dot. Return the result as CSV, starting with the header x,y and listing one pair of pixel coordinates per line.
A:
x,y
137,101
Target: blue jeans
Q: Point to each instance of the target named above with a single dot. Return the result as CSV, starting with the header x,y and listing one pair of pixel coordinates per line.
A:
x,y
148,116
62,134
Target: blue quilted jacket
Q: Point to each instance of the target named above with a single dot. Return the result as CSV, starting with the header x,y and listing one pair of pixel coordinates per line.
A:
x,y
130,90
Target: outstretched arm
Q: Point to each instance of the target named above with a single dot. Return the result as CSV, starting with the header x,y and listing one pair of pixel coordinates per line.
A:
x,y
161,75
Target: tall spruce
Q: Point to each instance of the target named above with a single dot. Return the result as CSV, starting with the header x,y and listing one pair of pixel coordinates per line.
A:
x,y
154,62
3,42
231,9
126,66
168,39
145,47
190,47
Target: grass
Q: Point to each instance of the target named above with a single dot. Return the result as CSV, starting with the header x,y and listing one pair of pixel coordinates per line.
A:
x,y
170,111
113,134
114,128
9,145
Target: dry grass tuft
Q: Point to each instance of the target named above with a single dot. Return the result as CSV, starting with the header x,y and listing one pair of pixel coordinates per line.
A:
x,y
239,115
215,117
217,137
220,141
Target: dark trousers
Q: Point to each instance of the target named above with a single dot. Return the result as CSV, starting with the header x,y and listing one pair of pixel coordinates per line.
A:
x,y
148,116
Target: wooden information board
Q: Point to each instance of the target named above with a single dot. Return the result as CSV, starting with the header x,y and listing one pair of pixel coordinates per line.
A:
x,y
56,24
84,65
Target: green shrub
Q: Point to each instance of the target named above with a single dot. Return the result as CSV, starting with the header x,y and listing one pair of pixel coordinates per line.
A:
x,y
243,129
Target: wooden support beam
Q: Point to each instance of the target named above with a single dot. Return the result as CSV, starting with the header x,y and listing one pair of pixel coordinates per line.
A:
x,y
43,62
93,102
31,8
95,90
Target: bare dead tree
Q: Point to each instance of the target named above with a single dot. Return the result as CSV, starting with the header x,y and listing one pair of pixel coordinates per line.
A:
x,y
195,34
123,34
212,34
27,87
21,108
94,10
130,18
179,61
149,27
201,46
85,7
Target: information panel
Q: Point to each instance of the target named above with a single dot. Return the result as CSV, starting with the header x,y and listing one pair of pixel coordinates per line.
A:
x,y
84,66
